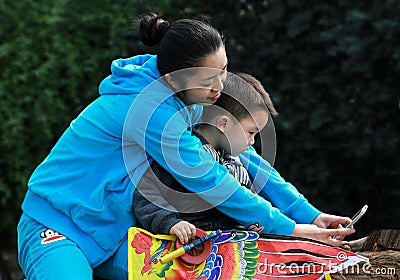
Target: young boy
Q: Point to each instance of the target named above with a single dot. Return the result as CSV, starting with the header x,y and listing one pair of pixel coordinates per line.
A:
x,y
228,128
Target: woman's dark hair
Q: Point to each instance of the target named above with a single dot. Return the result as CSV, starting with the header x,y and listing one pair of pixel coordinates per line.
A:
x,y
182,44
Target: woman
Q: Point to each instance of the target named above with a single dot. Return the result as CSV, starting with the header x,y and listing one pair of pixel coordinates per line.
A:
x,y
78,207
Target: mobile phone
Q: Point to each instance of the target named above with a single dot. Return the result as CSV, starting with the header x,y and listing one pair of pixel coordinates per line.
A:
x,y
357,216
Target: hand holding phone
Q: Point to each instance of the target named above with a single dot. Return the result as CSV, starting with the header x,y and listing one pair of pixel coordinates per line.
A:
x,y
357,216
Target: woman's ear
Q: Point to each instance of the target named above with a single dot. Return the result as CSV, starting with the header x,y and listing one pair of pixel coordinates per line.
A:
x,y
171,81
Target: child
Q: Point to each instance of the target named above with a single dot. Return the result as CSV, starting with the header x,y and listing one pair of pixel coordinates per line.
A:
x,y
228,128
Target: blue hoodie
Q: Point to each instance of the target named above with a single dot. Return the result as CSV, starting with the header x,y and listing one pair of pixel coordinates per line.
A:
x,y
84,187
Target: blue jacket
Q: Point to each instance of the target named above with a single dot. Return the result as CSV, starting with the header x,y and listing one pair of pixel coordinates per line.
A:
x,y
84,187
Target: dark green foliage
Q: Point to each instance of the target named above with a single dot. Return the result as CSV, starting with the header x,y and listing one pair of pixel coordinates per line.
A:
x,y
53,56
332,69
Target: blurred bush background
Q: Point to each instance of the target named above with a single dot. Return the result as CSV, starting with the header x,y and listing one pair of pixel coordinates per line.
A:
x,y
332,68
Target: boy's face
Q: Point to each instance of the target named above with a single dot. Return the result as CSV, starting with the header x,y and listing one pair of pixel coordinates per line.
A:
x,y
240,135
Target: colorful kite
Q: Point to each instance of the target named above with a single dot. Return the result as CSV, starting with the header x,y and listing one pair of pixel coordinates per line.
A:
x,y
235,254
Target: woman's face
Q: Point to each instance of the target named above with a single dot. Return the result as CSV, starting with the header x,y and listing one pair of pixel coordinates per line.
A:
x,y
205,84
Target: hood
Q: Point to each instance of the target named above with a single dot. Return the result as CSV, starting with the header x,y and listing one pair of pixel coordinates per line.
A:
x,y
130,75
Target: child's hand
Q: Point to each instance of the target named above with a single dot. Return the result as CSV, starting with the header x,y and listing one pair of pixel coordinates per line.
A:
x,y
184,231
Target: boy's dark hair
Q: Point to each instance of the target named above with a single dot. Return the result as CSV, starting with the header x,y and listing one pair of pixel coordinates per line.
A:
x,y
180,45
256,84
242,94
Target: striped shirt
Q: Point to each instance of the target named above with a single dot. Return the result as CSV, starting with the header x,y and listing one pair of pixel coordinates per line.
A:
x,y
232,163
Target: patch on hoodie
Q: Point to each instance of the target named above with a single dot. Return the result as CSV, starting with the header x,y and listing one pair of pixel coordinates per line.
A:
x,y
49,236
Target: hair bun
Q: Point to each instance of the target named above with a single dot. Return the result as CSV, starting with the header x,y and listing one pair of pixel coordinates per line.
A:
x,y
152,29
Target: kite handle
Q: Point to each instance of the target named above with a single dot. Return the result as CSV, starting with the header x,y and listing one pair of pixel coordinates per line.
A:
x,y
173,255
186,248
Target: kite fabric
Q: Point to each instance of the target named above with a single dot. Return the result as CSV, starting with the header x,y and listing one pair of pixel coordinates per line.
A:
x,y
236,254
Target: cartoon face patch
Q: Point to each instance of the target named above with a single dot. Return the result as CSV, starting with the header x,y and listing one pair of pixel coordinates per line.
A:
x,y
256,227
50,235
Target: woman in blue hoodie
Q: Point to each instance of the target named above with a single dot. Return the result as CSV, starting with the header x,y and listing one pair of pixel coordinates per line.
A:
x,y
78,206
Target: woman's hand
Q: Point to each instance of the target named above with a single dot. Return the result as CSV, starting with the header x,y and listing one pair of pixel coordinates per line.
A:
x,y
325,235
330,221
185,231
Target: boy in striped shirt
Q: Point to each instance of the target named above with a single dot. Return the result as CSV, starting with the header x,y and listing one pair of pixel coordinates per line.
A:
x,y
228,128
